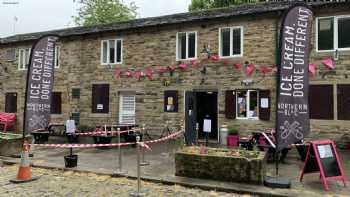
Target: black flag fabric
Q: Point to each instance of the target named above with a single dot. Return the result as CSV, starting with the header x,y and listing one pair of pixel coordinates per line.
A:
x,y
40,80
293,122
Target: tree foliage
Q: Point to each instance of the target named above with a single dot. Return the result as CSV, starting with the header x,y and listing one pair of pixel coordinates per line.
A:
x,y
93,12
208,4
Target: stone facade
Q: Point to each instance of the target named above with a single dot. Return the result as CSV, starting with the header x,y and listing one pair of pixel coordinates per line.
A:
x,y
80,67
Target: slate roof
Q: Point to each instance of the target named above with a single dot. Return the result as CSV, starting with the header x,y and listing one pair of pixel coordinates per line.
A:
x,y
247,9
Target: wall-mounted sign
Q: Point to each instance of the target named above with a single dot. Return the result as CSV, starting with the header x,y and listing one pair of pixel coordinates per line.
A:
x,y
99,106
207,125
264,103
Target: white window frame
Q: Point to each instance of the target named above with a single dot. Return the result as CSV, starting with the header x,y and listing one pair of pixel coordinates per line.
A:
x,y
247,105
122,112
177,46
335,33
57,57
231,46
121,51
24,58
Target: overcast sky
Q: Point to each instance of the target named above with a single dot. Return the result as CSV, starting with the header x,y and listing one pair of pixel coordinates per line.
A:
x,y
41,15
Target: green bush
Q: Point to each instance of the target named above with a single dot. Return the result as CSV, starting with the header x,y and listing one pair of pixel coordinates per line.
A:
x,y
233,131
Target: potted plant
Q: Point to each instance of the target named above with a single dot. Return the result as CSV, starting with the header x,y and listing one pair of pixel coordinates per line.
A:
x,y
232,137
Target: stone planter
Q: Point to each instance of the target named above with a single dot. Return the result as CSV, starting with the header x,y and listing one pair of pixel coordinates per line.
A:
x,y
11,144
217,165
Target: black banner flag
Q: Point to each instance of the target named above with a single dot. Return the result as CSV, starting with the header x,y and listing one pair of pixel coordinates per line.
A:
x,y
40,80
292,113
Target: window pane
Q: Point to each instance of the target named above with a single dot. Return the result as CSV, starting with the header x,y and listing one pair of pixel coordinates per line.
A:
x,y
56,103
343,33
325,34
242,104
225,42
253,104
182,45
321,102
20,58
191,45
11,102
343,102
57,55
26,58
119,51
104,52
236,41
111,51
100,98
27,55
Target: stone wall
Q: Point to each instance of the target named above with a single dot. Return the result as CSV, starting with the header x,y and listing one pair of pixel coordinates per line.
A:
x,y
80,67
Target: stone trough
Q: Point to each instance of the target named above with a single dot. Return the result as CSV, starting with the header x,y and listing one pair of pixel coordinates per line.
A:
x,y
11,144
221,164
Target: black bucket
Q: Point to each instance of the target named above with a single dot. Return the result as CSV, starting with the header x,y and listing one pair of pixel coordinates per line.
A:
x,y
71,161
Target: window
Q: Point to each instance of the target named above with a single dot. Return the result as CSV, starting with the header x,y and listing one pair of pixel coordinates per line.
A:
x,y
76,93
186,45
170,101
56,103
111,51
57,57
11,102
127,109
76,117
343,98
23,58
321,102
100,98
231,41
247,104
332,33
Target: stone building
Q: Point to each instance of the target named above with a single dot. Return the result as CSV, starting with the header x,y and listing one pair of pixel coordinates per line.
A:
x,y
166,57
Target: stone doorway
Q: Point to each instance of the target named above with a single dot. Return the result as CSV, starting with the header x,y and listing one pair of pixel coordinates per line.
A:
x,y
207,108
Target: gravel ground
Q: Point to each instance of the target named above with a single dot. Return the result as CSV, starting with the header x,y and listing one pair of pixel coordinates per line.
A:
x,y
68,183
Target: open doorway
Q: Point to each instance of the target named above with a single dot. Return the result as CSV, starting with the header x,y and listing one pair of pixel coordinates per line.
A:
x,y
207,108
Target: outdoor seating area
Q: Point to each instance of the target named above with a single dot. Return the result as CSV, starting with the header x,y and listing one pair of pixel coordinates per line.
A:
x,y
264,140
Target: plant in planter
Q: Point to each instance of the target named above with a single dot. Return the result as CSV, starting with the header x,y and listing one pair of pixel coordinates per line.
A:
x,y
232,137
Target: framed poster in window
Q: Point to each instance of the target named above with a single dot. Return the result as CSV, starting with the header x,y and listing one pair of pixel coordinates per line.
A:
x,y
171,101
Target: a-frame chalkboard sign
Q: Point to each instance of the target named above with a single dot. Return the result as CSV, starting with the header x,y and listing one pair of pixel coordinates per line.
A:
x,y
322,157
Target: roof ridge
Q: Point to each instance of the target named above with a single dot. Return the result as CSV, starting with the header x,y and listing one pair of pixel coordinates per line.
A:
x,y
244,9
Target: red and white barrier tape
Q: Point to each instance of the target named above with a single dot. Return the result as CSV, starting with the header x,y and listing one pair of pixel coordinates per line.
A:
x,y
104,133
142,144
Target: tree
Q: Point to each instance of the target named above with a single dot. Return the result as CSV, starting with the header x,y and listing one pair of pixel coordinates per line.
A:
x,y
93,12
208,4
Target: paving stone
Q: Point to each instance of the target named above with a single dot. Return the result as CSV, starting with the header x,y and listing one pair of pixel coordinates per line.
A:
x,y
56,183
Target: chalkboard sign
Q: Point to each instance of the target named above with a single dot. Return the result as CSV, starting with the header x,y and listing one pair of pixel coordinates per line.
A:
x,y
322,157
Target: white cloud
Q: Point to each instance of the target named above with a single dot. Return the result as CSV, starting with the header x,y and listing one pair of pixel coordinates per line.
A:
x,y
42,15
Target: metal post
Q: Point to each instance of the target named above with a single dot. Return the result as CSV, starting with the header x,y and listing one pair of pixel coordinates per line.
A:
x,y
138,192
143,162
120,166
